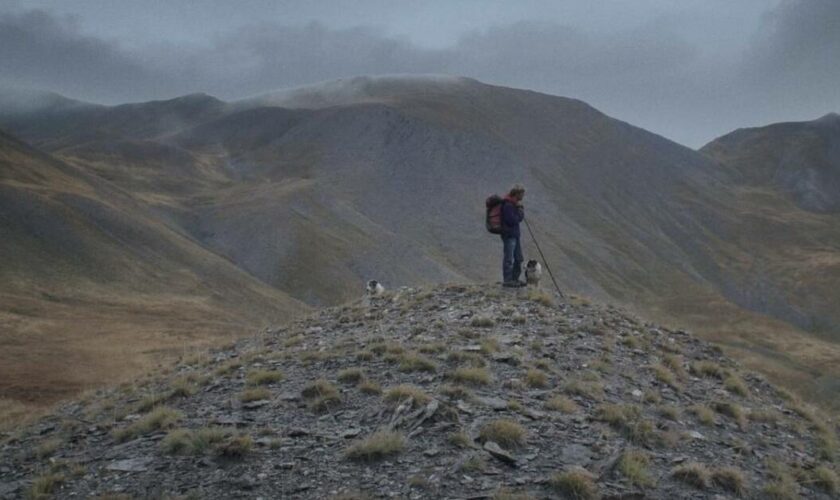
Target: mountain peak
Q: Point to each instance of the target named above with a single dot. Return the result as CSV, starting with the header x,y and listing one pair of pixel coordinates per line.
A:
x,y
359,88
408,393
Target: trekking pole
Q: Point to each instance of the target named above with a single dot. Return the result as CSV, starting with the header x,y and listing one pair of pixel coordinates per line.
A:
x,y
547,267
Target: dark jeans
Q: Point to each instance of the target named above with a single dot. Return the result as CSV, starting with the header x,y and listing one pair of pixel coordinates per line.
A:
x,y
512,261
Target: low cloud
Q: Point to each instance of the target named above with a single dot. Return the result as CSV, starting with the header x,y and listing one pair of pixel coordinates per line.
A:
x,y
649,76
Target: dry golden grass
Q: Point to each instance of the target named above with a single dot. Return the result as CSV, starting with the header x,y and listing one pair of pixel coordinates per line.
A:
x,y
664,375
693,473
708,369
536,378
48,447
704,414
350,375
159,418
733,411
540,296
254,394
472,375
504,432
377,446
730,479
370,387
415,362
576,483
263,377
404,392
44,487
321,395
736,385
589,389
234,446
633,465
461,439
189,442
561,404
483,322
826,479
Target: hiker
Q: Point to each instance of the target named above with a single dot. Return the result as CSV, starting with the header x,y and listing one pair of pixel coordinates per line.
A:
x,y
512,214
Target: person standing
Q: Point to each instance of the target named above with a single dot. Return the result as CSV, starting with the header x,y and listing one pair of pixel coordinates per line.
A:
x,y
513,212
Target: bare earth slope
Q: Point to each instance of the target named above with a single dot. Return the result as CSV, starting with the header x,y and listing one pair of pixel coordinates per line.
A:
x,y
449,392
94,289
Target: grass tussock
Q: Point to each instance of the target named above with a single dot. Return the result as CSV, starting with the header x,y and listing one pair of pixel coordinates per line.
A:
x,y
189,442
589,389
350,375
321,395
666,376
472,375
562,404
536,378
483,322
577,483
676,364
671,412
461,439
415,362
45,486
704,414
254,394
404,392
730,479
48,447
370,387
489,345
633,465
504,432
693,473
736,385
263,377
733,411
541,297
627,419
708,369
376,446
159,418
826,479
235,446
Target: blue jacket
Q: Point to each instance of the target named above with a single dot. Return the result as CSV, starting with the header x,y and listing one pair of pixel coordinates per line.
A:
x,y
511,217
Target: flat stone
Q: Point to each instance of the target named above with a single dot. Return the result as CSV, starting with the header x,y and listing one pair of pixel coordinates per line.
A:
x,y
495,403
139,464
576,454
297,432
229,420
350,433
497,452
253,405
695,435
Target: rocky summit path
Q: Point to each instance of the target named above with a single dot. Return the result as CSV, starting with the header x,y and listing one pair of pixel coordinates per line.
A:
x,y
448,392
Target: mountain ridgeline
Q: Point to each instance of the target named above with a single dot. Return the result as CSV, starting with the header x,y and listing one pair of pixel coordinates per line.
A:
x,y
310,192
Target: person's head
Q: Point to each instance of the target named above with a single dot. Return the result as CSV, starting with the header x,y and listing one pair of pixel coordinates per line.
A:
x,y
517,192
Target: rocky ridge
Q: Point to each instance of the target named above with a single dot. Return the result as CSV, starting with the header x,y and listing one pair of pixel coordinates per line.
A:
x,y
448,392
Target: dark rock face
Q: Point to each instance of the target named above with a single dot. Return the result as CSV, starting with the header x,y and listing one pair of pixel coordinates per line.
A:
x,y
389,399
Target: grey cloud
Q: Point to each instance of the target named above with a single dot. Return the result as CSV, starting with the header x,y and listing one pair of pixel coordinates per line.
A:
x,y
648,75
40,50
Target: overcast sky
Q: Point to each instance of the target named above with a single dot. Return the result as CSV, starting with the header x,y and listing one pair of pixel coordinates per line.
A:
x,y
690,70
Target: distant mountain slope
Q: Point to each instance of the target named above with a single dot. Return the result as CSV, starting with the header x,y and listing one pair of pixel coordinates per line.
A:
x,y
315,190
94,287
801,159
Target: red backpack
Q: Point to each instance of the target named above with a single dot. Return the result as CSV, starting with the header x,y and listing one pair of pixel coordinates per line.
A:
x,y
493,218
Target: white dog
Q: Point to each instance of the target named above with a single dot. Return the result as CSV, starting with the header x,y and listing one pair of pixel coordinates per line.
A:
x,y
374,288
533,273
